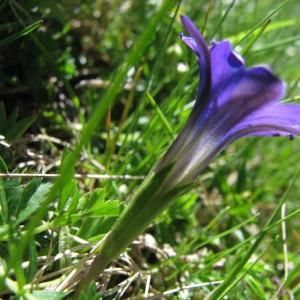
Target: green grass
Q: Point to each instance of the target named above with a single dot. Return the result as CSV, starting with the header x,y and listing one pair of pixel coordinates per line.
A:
x,y
224,236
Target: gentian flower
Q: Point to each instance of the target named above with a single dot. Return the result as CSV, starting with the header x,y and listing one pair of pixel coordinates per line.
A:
x,y
232,102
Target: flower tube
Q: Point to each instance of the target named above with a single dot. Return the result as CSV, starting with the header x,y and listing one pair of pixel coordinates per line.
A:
x,y
232,102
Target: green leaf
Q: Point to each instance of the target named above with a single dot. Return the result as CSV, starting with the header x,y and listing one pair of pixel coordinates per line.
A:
x,y
27,193
14,190
34,202
12,119
265,20
161,115
64,156
10,192
33,261
93,204
94,229
3,204
109,208
69,187
73,203
19,128
66,195
87,201
65,219
3,167
256,286
24,31
68,214
3,231
91,293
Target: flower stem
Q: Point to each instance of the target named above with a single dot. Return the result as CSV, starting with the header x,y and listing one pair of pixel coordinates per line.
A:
x,y
150,200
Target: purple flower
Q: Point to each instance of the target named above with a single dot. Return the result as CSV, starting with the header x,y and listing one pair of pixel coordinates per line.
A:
x,y
232,102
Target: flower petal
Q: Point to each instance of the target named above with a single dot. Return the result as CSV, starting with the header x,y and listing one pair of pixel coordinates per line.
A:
x,y
273,120
257,87
227,69
197,43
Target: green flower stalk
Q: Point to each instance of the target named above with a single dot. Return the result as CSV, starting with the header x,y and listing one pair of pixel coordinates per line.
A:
x,y
149,202
232,102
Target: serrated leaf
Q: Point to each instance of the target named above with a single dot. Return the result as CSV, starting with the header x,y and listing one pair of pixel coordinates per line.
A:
x,y
109,208
35,201
87,201
65,219
93,205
